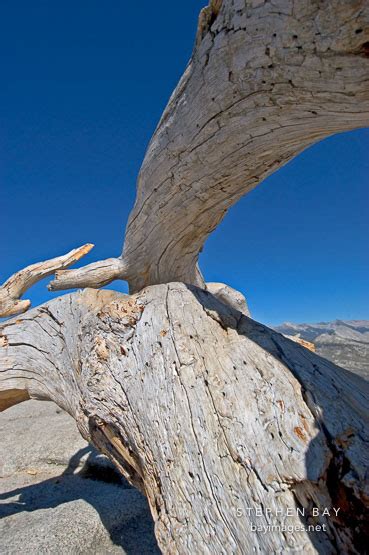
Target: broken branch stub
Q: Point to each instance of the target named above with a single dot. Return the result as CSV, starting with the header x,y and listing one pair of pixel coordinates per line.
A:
x,y
13,289
93,275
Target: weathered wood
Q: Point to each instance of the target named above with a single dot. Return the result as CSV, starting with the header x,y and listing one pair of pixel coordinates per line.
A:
x,y
266,80
17,285
93,275
212,415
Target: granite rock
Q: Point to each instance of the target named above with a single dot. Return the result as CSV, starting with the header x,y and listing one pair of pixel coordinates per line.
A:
x,y
59,496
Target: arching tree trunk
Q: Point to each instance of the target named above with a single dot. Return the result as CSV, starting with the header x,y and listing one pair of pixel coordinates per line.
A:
x,y
242,440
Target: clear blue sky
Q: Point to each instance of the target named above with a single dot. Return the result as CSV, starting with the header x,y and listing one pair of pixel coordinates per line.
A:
x,y
83,86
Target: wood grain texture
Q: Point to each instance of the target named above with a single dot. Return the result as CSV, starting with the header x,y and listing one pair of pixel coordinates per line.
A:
x,y
17,285
95,275
266,80
209,413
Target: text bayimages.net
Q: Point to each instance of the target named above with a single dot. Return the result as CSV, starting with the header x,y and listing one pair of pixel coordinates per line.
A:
x,y
267,513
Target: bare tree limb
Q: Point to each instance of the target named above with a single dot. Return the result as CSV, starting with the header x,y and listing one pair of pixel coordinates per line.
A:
x,y
17,284
94,275
265,81
38,351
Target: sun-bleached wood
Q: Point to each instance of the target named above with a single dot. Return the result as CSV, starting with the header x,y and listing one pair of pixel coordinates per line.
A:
x,y
210,414
17,284
205,411
95,275
266,80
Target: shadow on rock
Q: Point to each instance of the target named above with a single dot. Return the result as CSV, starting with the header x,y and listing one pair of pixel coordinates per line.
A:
x,y
122,509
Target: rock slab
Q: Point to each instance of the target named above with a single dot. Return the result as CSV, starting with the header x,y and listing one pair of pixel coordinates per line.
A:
x,y
59,496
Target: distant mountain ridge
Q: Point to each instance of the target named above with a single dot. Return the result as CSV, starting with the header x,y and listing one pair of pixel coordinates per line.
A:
x,y
344,342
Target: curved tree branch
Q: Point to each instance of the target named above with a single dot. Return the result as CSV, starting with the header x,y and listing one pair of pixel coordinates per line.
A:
x,y
17,284
93,275
265,81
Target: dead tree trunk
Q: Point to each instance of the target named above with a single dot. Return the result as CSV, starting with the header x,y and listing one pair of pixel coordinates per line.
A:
x,y
225,425
210,414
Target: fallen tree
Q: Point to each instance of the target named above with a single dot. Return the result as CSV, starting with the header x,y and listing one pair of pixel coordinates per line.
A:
x,y
227,427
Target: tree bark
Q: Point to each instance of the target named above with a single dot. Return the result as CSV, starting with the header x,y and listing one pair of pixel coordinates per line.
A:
x,y
213,416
